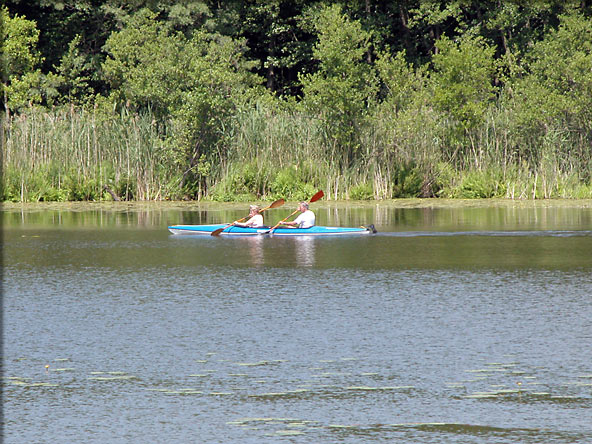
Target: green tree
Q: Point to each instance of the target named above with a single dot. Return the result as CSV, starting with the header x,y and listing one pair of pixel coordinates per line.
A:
x,y
196,82
75,75
463,75
90,23
274,36
560,69
402,84
19,49
555,92
145,65
462,81
20,58
23,83
517,25
344,87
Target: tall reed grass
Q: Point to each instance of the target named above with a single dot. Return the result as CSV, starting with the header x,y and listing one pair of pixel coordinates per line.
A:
x,y
78,155
267,154
413,153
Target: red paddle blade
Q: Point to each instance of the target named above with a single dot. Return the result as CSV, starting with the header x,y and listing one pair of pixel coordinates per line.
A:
x,y
317,196
218,231
277,203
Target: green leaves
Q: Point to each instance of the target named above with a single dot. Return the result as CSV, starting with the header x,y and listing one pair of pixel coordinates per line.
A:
x,y
463,79
22,81
75,74
562,65
343,87
342,76
554,96
145,64
150,65
402,83
19,45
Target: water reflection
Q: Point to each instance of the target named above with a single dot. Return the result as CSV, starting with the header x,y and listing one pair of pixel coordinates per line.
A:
x,y
305,251
253,245
261,250
392,216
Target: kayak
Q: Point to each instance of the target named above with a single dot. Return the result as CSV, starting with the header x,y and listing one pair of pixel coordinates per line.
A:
x,y
242,231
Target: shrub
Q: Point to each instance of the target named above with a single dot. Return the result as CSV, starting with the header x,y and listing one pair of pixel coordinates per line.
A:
x,y
479,184
363,191
289,184
407,181
81,188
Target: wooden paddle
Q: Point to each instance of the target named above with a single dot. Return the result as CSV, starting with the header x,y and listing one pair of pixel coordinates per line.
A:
x,y
276,204
318,195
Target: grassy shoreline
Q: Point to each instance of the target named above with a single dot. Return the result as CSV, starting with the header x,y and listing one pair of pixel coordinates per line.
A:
x,y
208,205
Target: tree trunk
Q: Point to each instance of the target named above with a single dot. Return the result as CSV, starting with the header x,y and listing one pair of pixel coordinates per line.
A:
x,y
271,68
369,53
404,15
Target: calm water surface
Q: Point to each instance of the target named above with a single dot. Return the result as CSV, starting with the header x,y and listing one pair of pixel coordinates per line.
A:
x,y
459,324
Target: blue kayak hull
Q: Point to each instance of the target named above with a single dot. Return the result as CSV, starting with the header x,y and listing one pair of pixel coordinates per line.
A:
x,y
240,231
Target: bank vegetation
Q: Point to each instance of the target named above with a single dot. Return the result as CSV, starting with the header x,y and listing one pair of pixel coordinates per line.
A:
x,y
259,100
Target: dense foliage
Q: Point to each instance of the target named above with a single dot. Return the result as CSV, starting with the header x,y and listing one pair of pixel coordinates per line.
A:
x,y
259,99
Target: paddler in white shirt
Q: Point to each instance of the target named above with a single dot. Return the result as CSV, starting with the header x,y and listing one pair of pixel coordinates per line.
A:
x,y
256,218
306,219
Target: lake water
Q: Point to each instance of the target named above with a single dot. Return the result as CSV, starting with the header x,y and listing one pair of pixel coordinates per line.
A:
x,y
456,323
